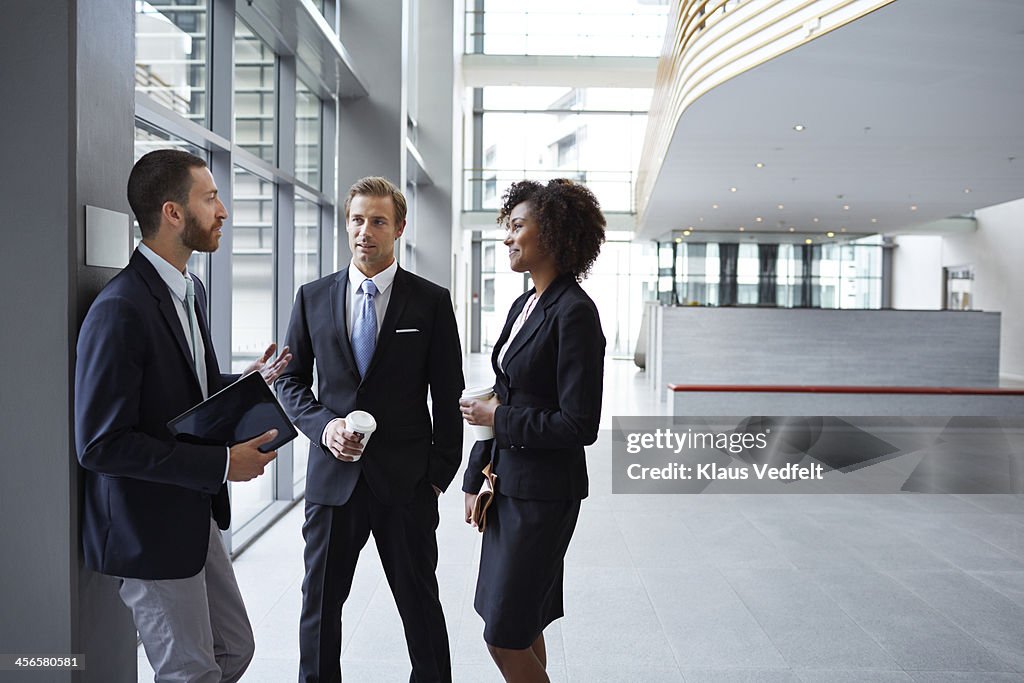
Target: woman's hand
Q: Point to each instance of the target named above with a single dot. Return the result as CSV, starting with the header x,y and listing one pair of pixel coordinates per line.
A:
x,y
470,502
477,411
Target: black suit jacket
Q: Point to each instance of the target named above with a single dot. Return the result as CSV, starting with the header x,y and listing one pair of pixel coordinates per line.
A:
x,y
147,497
406,448
550,392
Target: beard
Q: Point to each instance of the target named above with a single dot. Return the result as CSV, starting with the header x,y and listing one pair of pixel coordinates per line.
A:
x,y
196,238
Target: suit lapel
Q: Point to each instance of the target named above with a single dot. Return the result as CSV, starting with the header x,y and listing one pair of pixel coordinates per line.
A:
x,y
537,316
158,288
396,304
513,314
339,312
527,331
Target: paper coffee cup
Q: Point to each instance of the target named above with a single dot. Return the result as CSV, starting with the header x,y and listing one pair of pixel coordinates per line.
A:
x,y
479,432
361,422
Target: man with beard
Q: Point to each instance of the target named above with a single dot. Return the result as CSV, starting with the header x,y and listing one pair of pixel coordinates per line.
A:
x,y
153,505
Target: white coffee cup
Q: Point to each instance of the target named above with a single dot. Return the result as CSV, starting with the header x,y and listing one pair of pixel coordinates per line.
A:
x,y
479,432
361,422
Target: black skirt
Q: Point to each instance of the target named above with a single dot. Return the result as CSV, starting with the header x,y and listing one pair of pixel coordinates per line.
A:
x,y
519,588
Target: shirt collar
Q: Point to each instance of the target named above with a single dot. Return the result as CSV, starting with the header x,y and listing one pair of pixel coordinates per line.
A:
x,y
173,277
381,280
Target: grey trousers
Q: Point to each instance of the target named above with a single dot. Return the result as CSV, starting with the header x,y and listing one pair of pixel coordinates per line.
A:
x,y
194,630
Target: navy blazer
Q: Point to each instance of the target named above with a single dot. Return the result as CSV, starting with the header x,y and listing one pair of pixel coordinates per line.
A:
x,y
147,498
417,348
550,392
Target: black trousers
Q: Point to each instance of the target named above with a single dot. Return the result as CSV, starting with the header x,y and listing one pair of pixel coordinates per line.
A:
x,y
407,543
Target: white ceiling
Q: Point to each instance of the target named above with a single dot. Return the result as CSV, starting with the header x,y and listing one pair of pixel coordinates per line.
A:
x,y
908,106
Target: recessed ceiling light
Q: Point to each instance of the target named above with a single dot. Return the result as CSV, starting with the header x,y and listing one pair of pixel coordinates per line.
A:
x,y
967,190
799,128
874,220
808,240
686,232
842,229
830,234
742,228
732,189
758,219
678,240
913,207
846,207
700,218
781,206
792,229
815,220
759,165
714,206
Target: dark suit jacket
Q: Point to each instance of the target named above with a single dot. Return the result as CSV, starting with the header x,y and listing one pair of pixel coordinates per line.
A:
x,y
406,448
550,393
147,497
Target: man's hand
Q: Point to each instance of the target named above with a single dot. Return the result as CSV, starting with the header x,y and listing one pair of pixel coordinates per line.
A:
x,y
343,444
470,502
246,461
270,370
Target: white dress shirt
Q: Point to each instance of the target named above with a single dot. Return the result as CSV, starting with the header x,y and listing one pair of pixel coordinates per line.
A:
x,y
382,281
354,303
175,281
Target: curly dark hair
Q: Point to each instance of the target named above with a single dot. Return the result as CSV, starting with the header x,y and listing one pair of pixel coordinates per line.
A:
x,y
570,219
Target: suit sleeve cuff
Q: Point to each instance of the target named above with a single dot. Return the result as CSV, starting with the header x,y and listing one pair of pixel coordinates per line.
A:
x,y
323,434
502,429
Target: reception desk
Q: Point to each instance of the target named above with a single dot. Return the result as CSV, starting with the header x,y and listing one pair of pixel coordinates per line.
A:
x,y
786,346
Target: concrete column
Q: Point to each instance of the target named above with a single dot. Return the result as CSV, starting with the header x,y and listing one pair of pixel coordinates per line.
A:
x,y
67,137
371,130
435,64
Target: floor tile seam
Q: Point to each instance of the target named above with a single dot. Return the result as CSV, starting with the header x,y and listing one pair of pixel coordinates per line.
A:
x,y
781,553
1017,601
277,602
960,497
856,621
761,626
954,624
650,602
1015,554
362,614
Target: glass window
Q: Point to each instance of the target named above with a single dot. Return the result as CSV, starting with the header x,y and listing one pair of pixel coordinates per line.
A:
x,y
817,276
170,55
307,241
307,269
592,135
569,27
252,268
307,136
252,308
149,138
255,94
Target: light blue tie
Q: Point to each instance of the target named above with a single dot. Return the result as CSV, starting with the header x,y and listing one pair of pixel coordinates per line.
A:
x,y
364,329
198,362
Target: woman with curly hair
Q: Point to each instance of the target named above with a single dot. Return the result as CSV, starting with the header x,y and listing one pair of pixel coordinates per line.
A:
x,y
549,367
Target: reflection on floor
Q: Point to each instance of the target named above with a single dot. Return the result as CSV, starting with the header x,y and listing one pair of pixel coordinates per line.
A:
x,y
758,588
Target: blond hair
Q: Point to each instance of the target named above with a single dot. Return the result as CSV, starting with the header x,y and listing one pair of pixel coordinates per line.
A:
x,y
377,186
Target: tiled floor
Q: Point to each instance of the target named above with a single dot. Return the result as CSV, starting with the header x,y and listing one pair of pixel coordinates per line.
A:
x,y
712,588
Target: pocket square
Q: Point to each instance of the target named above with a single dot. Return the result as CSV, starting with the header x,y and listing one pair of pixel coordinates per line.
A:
x,y
407,330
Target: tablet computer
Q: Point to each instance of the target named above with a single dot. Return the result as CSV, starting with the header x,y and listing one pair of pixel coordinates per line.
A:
x,y
237,413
